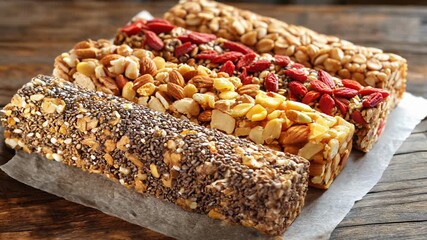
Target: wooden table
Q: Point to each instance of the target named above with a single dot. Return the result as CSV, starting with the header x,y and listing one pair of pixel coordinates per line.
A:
x,y
33,33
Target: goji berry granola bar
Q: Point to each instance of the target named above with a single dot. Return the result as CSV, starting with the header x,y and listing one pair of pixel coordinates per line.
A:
x,y
199,169
366,107
214,100
369,66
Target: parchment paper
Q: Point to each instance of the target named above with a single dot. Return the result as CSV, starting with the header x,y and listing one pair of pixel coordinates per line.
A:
x,y
321,214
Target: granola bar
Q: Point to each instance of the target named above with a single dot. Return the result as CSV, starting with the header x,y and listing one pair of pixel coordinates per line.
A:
x,y
369,66
199,169
218,101
366,107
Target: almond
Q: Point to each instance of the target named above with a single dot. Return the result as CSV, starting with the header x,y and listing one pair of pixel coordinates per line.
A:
x,y
147,66
295,134
175,90
190,74
248,89
142,80
82,45
108,58
86,53
176,77
202,81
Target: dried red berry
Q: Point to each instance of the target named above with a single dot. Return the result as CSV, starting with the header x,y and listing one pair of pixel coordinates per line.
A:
x,y
352,84
281,60
208,54
246,60
326,78
228,56
326,104
199,38
357,117
152,40
160,27
271,83
342,105
233,46
345,92
320,86
296,74
184,38
184,48
297,66
259,65
311,97
298,89
373,100
370,90
247,80
228,67
134,28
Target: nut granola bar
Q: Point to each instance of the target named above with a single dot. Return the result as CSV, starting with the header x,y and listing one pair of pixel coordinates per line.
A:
x,y
369,66
218,101
196,168
366,107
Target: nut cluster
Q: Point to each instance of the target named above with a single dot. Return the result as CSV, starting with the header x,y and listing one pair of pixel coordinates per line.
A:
x,y
218,101
368,66
347,98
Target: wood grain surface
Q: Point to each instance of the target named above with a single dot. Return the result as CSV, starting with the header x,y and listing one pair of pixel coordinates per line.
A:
x,y
34,32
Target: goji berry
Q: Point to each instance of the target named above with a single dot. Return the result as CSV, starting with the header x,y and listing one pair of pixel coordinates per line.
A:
x,y
297,66
184,48
320,86
296,74
342,105
152,40
326,78
326,104
228,56
281,60
271,83
298,89
198,38
370,90
208,54
373,100
233,46
246,60
133,28
184,38
259,65
345,92
228,67
244,78
310,97
352,84
160,27
357,117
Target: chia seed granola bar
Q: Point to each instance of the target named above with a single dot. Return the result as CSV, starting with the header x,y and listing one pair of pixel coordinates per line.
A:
x,y
369,66
366,107
199,169
215,100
